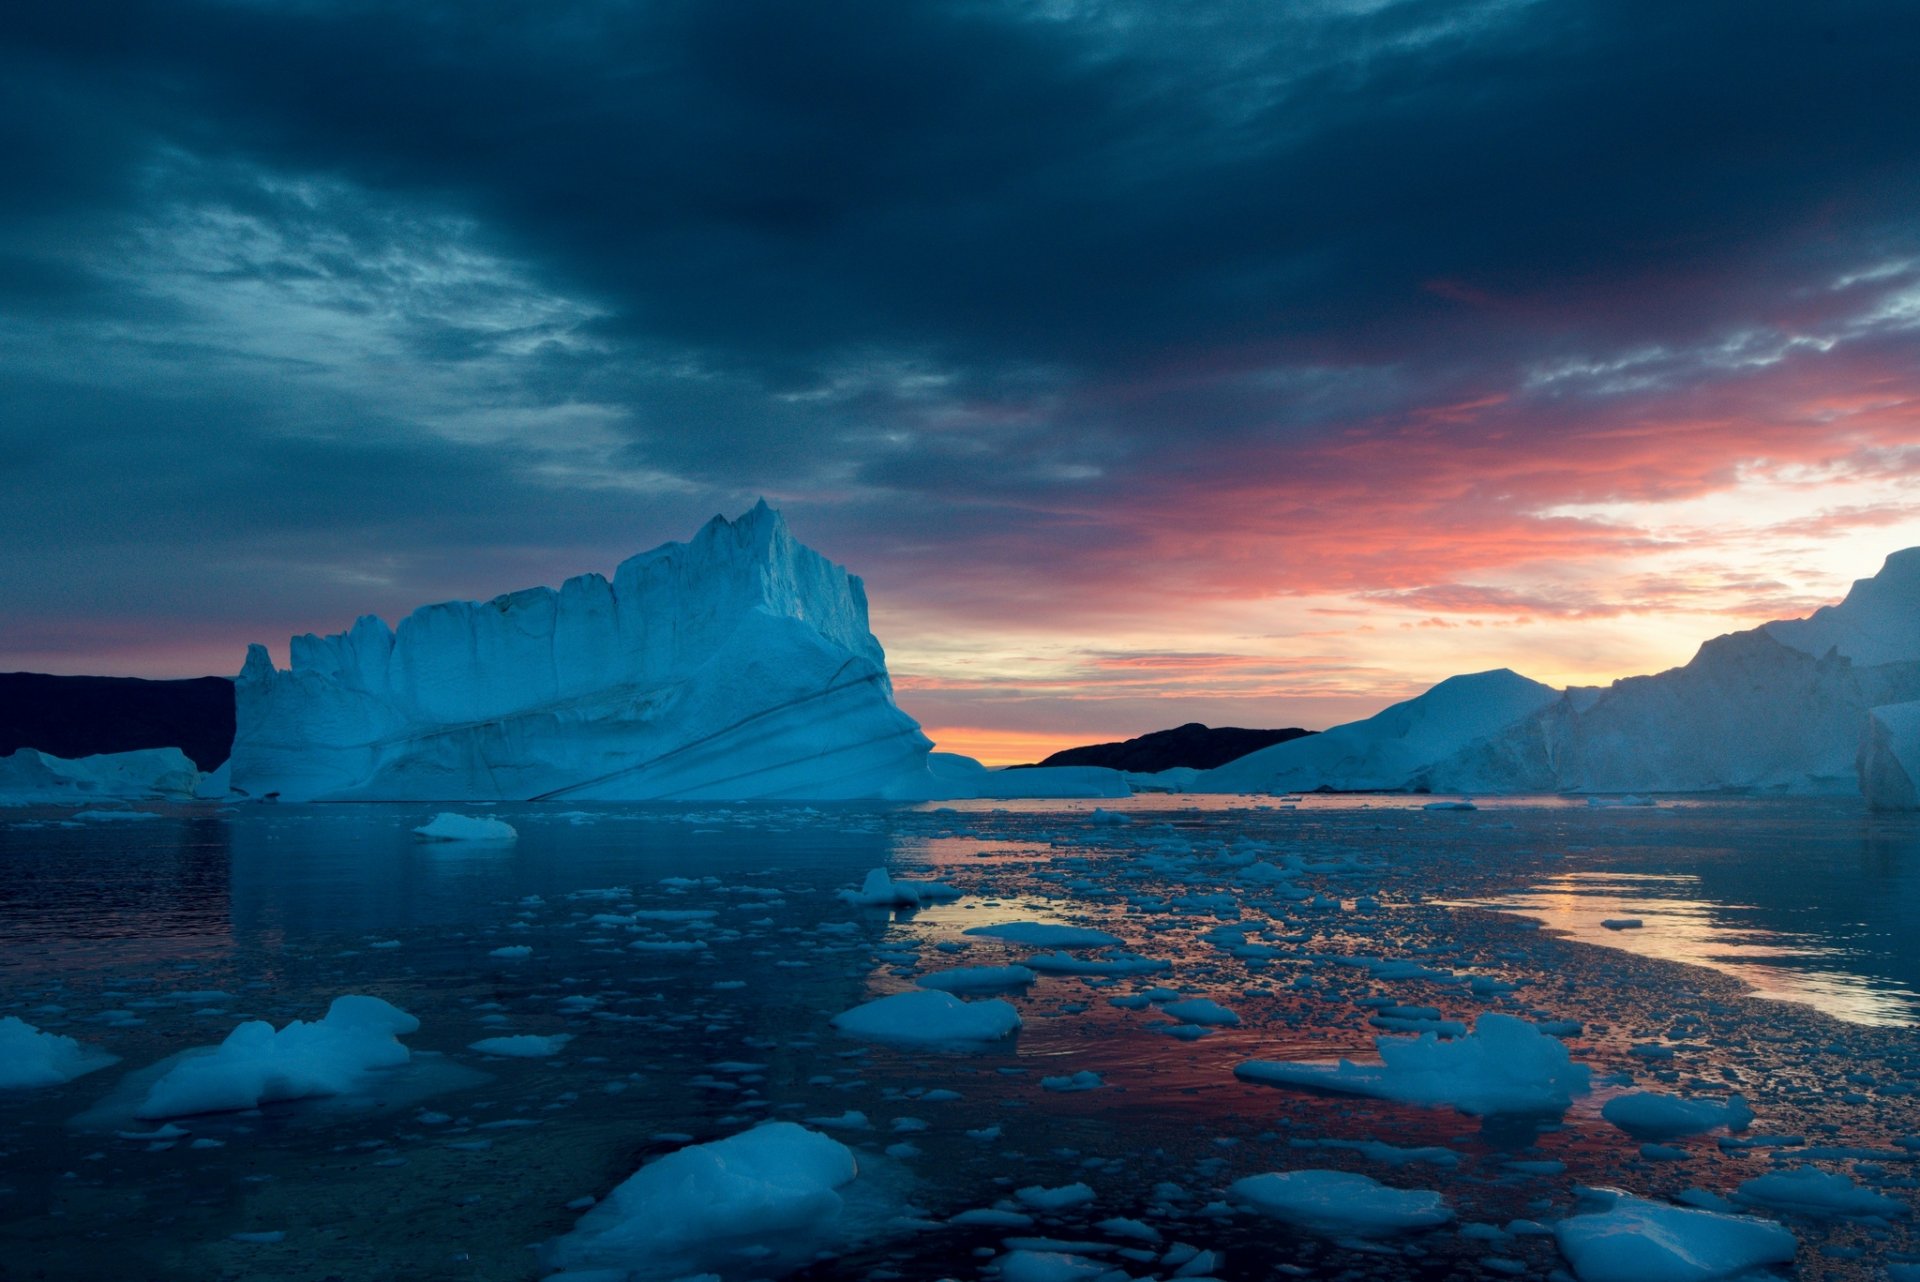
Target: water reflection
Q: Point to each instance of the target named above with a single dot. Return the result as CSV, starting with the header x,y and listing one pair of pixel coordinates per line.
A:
x,y
1675,917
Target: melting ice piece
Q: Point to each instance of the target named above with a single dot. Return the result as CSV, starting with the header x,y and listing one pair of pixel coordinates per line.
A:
x,y
880,890
978,979
1340,1203
1651,1115
775,1188
257,1064
523,1045
1201,1010
1505,1066
929,1017
1816,1192
30,1057
1635,1240
447,826
1040,934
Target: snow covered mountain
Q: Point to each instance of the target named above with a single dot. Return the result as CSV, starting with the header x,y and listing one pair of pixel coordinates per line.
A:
x,y
733,666
1783,708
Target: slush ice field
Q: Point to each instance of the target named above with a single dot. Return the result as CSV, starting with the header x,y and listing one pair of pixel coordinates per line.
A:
x,y
1162,1037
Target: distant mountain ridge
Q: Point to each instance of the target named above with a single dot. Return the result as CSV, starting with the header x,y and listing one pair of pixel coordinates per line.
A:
x,y
1194,745
86,716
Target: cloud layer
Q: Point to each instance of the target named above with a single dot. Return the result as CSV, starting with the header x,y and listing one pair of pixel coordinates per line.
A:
x,y
1296,353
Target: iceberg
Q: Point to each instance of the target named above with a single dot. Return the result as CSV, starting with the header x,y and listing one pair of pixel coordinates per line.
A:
x,y
1505,1066
1395,750
1633,1239
1889,761
358,1038
736,666
1797,706
1340,1203
32,777
775,1191
32,1057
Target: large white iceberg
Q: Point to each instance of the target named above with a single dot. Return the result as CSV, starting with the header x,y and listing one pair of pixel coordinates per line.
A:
x,y
734,666
147,774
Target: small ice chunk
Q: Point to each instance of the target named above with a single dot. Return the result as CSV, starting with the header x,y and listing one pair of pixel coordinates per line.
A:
x,y
1041,934
1505,1066
1081,1081
1651,1115
1201,1010
512,952
880,890
771,1188
1340,1203
523,1045
929,1017
30,1057
447,826
256,1064
1041,1198
1816,1192
1635,1240
978,979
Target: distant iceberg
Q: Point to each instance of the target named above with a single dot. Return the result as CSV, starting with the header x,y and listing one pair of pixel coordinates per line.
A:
x,y
1396,750
1781,708
29,777
738,665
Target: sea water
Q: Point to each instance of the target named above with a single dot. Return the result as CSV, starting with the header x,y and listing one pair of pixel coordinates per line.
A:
x,y
684,963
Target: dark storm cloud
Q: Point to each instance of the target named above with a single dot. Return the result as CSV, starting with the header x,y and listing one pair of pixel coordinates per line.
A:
x,y
957,280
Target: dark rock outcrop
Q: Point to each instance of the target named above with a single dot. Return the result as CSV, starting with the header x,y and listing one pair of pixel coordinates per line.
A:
x,y
83,716
1201,747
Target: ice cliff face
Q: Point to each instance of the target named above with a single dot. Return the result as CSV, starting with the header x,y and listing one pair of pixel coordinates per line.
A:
x,y
733,666
1781,708
1890,758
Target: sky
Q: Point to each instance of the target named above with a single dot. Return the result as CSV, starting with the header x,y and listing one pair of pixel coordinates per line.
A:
x,y
1248,363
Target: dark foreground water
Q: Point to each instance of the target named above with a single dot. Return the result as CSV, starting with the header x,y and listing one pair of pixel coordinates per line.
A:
x,y
696,954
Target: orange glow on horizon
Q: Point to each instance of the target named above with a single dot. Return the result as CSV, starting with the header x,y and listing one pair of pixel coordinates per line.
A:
x,y
999,747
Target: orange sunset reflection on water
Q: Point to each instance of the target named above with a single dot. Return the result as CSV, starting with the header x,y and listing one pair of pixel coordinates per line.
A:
x,y
1675,925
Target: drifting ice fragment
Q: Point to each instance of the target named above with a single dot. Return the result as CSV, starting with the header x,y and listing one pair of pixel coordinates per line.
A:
x,y
30,1057
929,1017
1505,1066
1634,1240
447,826
257,1064
1340,1203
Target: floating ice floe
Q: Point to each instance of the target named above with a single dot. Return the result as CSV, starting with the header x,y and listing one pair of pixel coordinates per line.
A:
x,y
1040,934
1201,1010
774,1189
1815,1192
1340,1203
1505,1066
929,1017
523,1045
978,979
1651,1115
30,1057
258,1064
880,890
447,826
1634,1240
